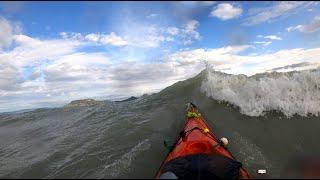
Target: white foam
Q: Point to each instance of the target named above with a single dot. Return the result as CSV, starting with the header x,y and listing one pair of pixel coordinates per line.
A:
x,y
288,92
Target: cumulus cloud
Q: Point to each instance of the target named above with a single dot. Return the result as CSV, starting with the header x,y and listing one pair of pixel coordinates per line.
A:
x,y
31,56
67,70
227,59
191,25
307,28
293,28
150,36
265,43
277,10
105,39
92,37
64,35
32,51
113,39
10,76
269,38
65,77
6,32
69,74
189,33
173,30
55,71
226,11
273,37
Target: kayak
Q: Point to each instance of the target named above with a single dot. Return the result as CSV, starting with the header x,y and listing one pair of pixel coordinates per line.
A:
x,y
199,154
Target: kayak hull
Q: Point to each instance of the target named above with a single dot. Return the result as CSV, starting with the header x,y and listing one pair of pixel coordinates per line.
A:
x,y
197,138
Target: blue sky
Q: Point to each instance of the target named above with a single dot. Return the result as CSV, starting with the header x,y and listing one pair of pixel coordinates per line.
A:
x,y
54,52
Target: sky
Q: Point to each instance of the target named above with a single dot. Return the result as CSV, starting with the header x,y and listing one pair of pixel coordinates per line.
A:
x,y
55,52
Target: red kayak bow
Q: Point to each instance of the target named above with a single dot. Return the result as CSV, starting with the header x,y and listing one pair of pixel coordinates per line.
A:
x,y
199,154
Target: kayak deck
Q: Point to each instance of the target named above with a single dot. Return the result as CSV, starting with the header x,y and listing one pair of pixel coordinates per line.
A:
x,y
197,138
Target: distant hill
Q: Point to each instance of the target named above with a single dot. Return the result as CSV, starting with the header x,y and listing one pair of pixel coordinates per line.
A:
x,y
129,99
82,102
92,102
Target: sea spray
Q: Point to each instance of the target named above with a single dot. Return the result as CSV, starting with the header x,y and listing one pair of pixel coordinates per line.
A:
x,y
292,93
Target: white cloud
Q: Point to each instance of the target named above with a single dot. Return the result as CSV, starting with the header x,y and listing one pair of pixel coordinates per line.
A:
x,y
153,36
105,39
265,43
76,68
293,28
10,76
152,15
194,59
173,30
31,51
169,39
92,37
69,74
59,72
307,28
6,33
279,9
64,35
226,11
189,33
77,36
191,25
143,36
268,39
30,55
150,36
227,59
113,39
271,37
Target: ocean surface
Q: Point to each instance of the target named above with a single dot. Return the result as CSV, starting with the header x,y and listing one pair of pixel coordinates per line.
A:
x,y
268,118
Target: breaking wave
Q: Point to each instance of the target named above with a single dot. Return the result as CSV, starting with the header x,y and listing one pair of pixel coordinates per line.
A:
x,y
296,92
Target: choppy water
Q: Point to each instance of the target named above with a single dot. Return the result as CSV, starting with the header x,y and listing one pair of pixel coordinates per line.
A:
x,y
125,140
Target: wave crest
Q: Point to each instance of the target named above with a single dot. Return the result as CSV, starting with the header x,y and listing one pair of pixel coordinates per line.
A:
x,y
296,92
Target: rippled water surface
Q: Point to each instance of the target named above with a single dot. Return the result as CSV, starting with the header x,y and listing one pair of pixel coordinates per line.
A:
x,y
125,140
